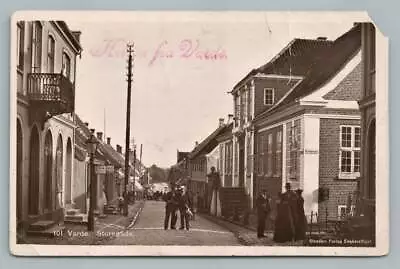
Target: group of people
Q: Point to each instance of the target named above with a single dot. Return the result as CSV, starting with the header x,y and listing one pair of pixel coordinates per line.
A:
x,y
290,221
178,200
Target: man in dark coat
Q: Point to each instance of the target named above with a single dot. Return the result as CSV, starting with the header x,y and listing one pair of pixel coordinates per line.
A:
x,y
263,209
171,207
185,204
301,225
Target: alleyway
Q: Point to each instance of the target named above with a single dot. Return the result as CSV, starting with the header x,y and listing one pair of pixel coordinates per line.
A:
x,y
149,231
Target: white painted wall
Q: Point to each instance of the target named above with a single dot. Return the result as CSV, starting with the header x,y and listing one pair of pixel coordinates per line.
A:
x,y
310,180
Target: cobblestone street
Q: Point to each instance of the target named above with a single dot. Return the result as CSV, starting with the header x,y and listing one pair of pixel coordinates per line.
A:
x,y
149,231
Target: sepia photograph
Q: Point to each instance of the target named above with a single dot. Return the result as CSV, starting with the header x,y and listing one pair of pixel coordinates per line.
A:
x,y
198,133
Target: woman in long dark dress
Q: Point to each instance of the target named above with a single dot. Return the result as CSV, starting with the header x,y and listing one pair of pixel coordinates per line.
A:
x,y
301,225
286,217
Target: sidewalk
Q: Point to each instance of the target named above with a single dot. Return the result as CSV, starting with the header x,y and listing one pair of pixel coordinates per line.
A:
x,y
247,235
105,229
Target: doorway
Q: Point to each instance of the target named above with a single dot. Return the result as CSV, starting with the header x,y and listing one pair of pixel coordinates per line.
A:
x,y
33,185
48,171
19,171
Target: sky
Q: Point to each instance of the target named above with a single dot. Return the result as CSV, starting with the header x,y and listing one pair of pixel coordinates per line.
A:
x,y
184,67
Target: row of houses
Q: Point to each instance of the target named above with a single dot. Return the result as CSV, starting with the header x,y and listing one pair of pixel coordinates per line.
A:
x,y
306,117
52,160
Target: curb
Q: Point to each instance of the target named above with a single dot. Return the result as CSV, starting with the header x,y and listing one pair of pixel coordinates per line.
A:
x,y
225,224
135,218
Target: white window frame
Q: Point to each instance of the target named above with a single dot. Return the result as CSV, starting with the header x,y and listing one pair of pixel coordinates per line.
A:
x,y
352,149
340,207
265,95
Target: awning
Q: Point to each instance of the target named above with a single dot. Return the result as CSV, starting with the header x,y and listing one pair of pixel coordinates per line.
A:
x,y
138,186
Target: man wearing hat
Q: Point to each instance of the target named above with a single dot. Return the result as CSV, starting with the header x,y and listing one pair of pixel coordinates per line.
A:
x,y
171,207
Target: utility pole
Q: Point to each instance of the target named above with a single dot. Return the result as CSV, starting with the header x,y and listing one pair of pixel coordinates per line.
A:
x,y
128,125
134,173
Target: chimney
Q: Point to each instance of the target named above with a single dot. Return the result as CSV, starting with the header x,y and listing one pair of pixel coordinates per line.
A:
x,y
77,35
92,131
100,136
230,118
108,140
196,144
119,149
322,38
221,122
87,124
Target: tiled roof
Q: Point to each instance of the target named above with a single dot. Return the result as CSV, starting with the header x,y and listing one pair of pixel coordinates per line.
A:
x,y
295,59
328,64
226,133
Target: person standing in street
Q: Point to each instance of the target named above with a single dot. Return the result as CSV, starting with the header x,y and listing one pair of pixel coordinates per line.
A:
x,y
214,178
286,220
185,205
263,209
301,225
171,206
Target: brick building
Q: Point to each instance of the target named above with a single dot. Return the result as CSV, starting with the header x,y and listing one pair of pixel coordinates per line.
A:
x,y
45,83
259,91
311,136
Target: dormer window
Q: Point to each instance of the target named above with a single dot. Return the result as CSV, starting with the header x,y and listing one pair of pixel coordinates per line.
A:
x,y
268,96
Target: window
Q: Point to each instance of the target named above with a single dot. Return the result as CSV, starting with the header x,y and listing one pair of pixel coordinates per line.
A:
x,y
249,169
350,141
66,66
237,109
269,155
260,151
50,54
268,96
20,45
294,136
278,153
236,158
249,104
37,47
243,106
344,212
228,158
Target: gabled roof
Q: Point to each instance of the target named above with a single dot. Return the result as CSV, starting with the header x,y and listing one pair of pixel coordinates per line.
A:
x,y
208,144
112,155
295,59
182,155
328,64
226,133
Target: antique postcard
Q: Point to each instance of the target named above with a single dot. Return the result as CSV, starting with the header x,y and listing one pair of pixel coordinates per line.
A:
x,y
198,134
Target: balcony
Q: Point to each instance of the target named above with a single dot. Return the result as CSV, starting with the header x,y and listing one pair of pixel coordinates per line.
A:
x,y
50,93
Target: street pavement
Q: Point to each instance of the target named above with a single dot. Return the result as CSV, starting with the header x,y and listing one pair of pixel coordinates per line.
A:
x,y
149,230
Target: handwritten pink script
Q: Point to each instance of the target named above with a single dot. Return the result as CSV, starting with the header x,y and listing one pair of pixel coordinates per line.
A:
x,y
184,49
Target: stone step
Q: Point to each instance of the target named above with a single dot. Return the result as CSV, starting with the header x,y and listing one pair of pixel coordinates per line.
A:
x,y
41,225
72,211
79,218
53,231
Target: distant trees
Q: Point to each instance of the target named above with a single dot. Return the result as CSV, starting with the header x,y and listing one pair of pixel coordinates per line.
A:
x,y
158,174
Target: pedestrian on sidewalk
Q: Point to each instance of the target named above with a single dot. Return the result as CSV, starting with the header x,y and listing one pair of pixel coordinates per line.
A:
x,y
301,225
215,180
263,210
185,205
121,204
171,207
286,220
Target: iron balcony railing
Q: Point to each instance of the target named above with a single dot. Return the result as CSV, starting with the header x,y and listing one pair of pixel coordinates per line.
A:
x,y
53,89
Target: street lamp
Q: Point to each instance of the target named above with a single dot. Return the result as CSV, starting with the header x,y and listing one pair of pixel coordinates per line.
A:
x,y
92,144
